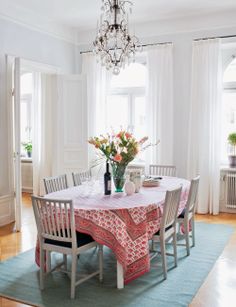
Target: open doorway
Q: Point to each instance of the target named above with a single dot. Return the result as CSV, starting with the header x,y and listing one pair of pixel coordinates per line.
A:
x,y
59,126
34,92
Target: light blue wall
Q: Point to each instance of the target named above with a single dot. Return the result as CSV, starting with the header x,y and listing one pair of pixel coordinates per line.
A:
x,y
32,45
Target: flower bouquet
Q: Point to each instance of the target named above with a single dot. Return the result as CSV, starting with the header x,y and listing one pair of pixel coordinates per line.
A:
x,y
119,149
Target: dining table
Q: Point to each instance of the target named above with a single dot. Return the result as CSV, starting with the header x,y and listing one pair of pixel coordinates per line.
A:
x,y
124,223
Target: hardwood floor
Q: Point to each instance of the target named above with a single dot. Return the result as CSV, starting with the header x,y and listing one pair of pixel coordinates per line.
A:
x,y
13,243
218,290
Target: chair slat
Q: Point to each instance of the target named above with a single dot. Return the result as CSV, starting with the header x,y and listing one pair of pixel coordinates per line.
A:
x,y
66,217
52,219
62,224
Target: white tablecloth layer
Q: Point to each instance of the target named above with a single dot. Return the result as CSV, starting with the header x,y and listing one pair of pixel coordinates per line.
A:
x,y
90,199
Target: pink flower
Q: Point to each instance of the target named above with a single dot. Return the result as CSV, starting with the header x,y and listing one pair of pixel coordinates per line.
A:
x,y
118,158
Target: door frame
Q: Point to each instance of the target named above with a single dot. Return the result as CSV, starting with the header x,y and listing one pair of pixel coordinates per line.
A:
x,y
15,183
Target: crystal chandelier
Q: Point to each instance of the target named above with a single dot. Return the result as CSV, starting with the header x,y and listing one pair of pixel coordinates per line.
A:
x,y
113,44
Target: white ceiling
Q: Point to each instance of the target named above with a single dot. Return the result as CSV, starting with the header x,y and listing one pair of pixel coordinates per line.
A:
x,y
83,14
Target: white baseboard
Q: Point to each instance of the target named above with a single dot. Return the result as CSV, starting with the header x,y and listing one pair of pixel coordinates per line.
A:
x,y
27,190
7,209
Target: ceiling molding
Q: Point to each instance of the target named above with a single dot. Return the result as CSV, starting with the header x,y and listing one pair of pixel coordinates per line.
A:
x,y
187,24
59,32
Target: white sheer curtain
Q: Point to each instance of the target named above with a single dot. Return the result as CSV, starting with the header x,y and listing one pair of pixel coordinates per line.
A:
x,y
205,122
160,103
98,80
44,97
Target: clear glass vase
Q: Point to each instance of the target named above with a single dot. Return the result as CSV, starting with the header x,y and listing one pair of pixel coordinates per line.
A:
x,y
118,174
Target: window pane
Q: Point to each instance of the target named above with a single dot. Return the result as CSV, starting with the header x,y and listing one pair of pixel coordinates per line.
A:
x,y
228,122
26,83
230,72
117,112
139,117
133,75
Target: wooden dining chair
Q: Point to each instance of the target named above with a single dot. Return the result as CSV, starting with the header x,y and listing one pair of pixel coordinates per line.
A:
x,y
168,227
56,233
186,218
80,177
57,183
162,170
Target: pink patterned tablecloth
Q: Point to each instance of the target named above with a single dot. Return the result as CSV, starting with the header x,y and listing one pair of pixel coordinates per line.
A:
x,y
123,223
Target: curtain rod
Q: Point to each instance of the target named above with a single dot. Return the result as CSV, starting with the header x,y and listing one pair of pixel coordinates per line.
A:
x,y
144,45
213,37
154,44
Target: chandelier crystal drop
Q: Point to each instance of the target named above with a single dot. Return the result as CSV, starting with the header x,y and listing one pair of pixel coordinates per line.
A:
x,y
114,45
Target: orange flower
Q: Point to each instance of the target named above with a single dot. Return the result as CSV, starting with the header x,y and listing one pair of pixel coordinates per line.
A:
x,y
119,135
92,141
118,158
136,150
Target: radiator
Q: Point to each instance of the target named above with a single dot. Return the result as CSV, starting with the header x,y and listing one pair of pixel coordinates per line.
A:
x,y
231,190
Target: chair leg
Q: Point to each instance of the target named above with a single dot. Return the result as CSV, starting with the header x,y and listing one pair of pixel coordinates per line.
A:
x,y
175,248
48,261
186,233
152,246
193,231
163,256
65,261
73,274
42,268
178,227
100,252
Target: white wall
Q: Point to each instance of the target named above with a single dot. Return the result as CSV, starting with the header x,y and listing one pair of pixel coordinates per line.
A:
x,y
181,32
32,45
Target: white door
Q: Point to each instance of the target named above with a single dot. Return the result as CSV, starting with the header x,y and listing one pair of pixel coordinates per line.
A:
x,y
72,125
17,142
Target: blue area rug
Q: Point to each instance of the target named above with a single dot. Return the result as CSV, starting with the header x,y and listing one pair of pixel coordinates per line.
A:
x,y
19,277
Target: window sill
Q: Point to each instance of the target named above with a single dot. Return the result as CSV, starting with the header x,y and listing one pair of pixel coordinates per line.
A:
x,y
226,167
26,160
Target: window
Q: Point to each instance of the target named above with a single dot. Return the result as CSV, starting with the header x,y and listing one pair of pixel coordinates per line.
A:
x,y
26,109
125,105
228,108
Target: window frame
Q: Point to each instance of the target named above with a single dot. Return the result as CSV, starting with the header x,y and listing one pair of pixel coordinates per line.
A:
x,y
227,87
131,93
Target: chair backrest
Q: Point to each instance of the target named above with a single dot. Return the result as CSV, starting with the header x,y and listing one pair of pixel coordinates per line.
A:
x,y
162,170
55,219
192,196
57,183
80,177
170,210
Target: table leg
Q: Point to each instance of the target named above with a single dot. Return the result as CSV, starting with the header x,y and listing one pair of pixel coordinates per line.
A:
x,y
120,276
